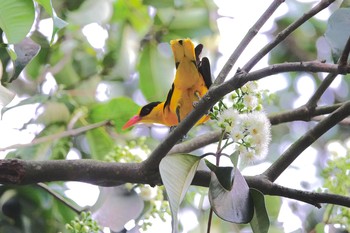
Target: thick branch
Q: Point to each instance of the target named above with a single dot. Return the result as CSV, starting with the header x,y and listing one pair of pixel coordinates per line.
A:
x,y
21,172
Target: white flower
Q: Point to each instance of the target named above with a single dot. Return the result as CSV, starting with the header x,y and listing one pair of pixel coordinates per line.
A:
x,y
227,119
252,86
253,131
250,101
148,193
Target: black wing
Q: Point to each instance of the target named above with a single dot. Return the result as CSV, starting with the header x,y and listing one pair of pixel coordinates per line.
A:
x,y
168,97
204,69
198,51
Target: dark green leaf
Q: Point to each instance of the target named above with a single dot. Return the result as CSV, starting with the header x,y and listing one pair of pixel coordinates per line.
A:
x,y
223,174
16,19
156,73
177,172
235,205
25,51
260,222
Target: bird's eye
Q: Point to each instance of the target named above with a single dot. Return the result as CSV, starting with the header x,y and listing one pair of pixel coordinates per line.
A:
x,y
147,109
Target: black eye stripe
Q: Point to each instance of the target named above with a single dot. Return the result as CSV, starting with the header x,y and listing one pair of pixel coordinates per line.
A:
x,y
145,110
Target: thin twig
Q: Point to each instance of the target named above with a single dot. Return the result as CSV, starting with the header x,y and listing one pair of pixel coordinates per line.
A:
x,y
312,103
59,197
286,32
246,40
285,160
52,137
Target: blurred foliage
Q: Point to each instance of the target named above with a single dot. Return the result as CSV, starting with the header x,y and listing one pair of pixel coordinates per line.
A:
x,y
74,81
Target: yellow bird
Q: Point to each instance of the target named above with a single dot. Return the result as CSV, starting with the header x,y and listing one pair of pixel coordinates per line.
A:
x,y
192,81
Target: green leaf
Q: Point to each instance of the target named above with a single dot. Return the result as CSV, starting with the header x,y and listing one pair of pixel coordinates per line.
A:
x,y
234,205
16,19
338,32
58,23
25,51
156,73
177,172
260,222
119,110
53,112
100,143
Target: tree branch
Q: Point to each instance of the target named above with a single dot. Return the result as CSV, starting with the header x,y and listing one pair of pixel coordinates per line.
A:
x,y
246,40
286,32
312,103
21,172
284,161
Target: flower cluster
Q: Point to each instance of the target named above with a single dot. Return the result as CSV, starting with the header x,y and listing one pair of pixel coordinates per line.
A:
x,y
247,125
83,224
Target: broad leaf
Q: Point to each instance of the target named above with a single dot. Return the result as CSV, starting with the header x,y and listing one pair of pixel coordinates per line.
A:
x,y
16,19
260,222
116,206
25,51
156,73
177,172
234,205
338,32
58,23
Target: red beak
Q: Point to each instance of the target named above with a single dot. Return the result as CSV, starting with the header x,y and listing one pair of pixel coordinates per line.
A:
x,y
133,120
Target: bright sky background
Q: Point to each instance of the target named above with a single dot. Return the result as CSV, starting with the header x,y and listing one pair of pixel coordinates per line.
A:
x,y
240,16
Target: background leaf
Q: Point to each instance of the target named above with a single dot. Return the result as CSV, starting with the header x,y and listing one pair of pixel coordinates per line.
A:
x,y
16,19
156,73
338,32
177,172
